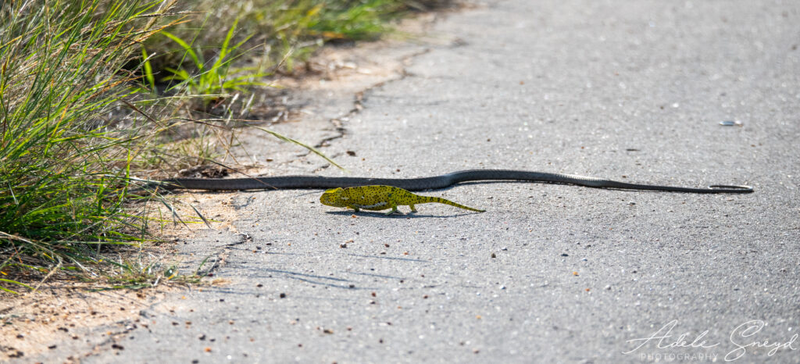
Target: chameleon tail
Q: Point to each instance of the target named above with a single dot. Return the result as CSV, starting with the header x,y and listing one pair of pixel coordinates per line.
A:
x,y
451,203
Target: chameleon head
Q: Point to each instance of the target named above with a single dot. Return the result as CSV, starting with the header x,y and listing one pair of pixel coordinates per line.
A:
x,y
333,197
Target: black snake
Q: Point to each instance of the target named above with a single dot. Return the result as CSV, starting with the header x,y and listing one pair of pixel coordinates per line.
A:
x,y
427,183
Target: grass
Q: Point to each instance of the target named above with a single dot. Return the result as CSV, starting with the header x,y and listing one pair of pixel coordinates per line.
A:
x,y
286,31
66,150
62,167
81,113
217,78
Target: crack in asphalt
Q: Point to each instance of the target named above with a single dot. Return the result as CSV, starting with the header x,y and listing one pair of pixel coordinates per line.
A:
x,y
359,97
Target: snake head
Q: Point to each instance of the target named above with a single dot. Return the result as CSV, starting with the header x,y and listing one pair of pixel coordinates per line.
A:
x,y
333,197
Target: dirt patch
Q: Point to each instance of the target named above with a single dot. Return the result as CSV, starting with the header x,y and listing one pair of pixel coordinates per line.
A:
x,y
42,321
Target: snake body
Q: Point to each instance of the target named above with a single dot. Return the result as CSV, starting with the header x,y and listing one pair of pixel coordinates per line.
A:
x,y
428,183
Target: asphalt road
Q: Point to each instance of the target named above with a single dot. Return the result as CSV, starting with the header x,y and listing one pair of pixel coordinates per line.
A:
x,y
632,91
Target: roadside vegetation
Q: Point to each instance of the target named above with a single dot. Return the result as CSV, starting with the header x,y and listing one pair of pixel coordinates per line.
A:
x,y
94,93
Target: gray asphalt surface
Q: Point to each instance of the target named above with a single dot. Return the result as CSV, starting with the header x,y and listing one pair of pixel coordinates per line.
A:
x,y
633,91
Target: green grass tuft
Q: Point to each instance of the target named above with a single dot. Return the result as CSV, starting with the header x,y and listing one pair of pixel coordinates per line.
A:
x,y
219,78
63,164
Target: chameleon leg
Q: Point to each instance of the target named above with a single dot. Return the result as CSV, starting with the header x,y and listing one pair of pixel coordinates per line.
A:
x,y
413,209
355,208
393,210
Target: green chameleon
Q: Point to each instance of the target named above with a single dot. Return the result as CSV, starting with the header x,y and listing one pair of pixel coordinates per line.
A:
x,y
379,198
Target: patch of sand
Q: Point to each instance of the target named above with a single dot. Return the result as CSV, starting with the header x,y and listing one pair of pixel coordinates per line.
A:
x,y
43,320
